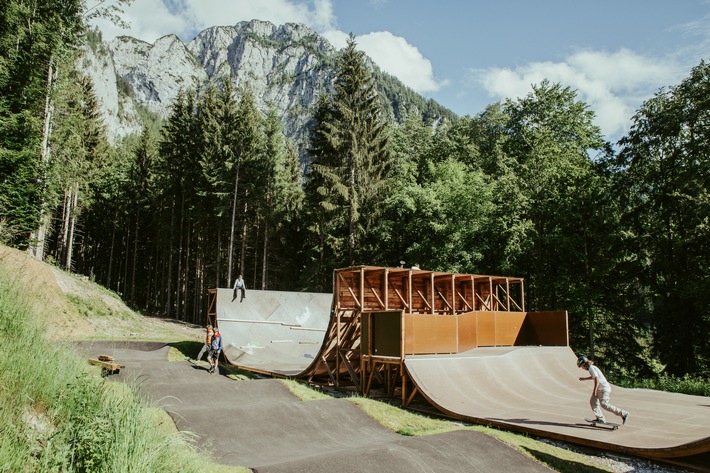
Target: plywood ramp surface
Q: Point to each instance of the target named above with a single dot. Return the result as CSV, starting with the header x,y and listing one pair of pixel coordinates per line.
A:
x,y
537,390
273,332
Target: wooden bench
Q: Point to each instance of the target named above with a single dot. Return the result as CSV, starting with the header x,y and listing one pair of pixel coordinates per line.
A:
x,y
108,366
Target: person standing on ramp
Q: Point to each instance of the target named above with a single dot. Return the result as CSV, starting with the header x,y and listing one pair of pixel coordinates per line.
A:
x,y
239,285
600,392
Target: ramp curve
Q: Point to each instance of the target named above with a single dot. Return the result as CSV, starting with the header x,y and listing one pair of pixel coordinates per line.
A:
x,y
532,389
273,332
537,390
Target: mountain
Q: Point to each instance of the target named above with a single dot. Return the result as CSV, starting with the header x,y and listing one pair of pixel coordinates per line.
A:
x,y
287,66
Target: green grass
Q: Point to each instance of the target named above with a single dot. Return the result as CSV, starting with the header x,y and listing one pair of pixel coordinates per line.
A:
x,y
685,385
58,414
410,423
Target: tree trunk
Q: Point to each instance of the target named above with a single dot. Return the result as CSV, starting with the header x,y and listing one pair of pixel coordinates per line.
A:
x,y
66,216
125,260
36,249
186,291
231,232
72,226
243,252
265,253
169,277
179,288
132,298
219,256
110,256
351,219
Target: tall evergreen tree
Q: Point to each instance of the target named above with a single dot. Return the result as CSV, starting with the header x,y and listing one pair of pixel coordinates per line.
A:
x,y
280,200
79,148
350,158
34,37
177,165
245,170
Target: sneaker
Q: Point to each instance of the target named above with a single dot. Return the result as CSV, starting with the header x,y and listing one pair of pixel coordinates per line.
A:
x,y
624,418
600,421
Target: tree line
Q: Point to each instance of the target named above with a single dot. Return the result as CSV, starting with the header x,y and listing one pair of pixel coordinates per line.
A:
x,y
616,235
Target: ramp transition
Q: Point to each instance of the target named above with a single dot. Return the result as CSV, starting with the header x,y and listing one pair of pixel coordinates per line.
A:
x,y
464,343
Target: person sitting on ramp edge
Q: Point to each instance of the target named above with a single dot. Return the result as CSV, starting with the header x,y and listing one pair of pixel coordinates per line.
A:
x,y
600,392
239,285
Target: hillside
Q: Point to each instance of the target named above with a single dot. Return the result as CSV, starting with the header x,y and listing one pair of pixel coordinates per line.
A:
x,y
78,309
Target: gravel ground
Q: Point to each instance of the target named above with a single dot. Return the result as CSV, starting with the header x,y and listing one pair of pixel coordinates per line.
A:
x,y
617,462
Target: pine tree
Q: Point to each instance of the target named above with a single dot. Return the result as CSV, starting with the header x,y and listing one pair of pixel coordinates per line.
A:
x,y
34,37
350,162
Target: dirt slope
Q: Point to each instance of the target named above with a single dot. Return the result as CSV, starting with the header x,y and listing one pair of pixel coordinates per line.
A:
x,y
76,308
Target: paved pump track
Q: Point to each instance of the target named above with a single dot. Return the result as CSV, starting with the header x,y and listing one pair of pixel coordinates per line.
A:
x,y
465,344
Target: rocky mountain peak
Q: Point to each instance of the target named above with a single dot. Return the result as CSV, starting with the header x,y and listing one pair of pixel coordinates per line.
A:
x,y
285,66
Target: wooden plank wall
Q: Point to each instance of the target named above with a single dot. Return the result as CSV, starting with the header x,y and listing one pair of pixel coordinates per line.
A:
x,y
446,312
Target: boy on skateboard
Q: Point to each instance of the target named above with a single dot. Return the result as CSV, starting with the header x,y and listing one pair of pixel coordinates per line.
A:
x,y
600,392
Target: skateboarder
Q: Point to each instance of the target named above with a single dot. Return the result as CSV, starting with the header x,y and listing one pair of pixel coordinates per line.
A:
x,y
600,392
239,285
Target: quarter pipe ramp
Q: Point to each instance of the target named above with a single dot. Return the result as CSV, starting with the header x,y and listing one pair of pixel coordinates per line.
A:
x,y
533,389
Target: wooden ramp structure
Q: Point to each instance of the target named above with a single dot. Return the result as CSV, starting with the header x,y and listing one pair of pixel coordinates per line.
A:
x,y
463,342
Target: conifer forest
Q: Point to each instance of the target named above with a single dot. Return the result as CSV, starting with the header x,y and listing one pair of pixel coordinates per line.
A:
x,y
617,234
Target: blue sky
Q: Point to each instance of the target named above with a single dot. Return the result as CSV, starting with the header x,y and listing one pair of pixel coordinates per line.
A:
x,y
466,54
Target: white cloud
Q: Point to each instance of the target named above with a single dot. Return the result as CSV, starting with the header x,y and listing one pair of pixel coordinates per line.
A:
x,y
399,58
151,19
613,84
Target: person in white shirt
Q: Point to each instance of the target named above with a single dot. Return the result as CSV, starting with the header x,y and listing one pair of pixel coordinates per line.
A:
x,y
240,285
600,392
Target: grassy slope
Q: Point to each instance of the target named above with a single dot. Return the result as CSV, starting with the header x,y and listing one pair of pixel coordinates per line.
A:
x,y
56,428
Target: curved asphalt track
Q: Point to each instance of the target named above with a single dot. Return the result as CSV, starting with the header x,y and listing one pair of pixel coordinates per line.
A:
x,y
529,389
261,425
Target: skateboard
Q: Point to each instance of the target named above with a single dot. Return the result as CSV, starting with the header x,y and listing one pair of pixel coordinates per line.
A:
x,y
605,425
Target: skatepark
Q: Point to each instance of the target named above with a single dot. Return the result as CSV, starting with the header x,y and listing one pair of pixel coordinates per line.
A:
x,y
462,344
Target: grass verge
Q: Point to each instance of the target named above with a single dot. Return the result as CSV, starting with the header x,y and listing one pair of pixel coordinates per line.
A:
x,y
410,423
58,414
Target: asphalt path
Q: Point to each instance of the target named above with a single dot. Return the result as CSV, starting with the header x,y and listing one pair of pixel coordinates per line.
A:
x,y
261,425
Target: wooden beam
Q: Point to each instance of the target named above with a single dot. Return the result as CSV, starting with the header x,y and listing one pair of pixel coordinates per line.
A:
x,y
340,276
423,298
399,294
464,300
382,304
443,298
